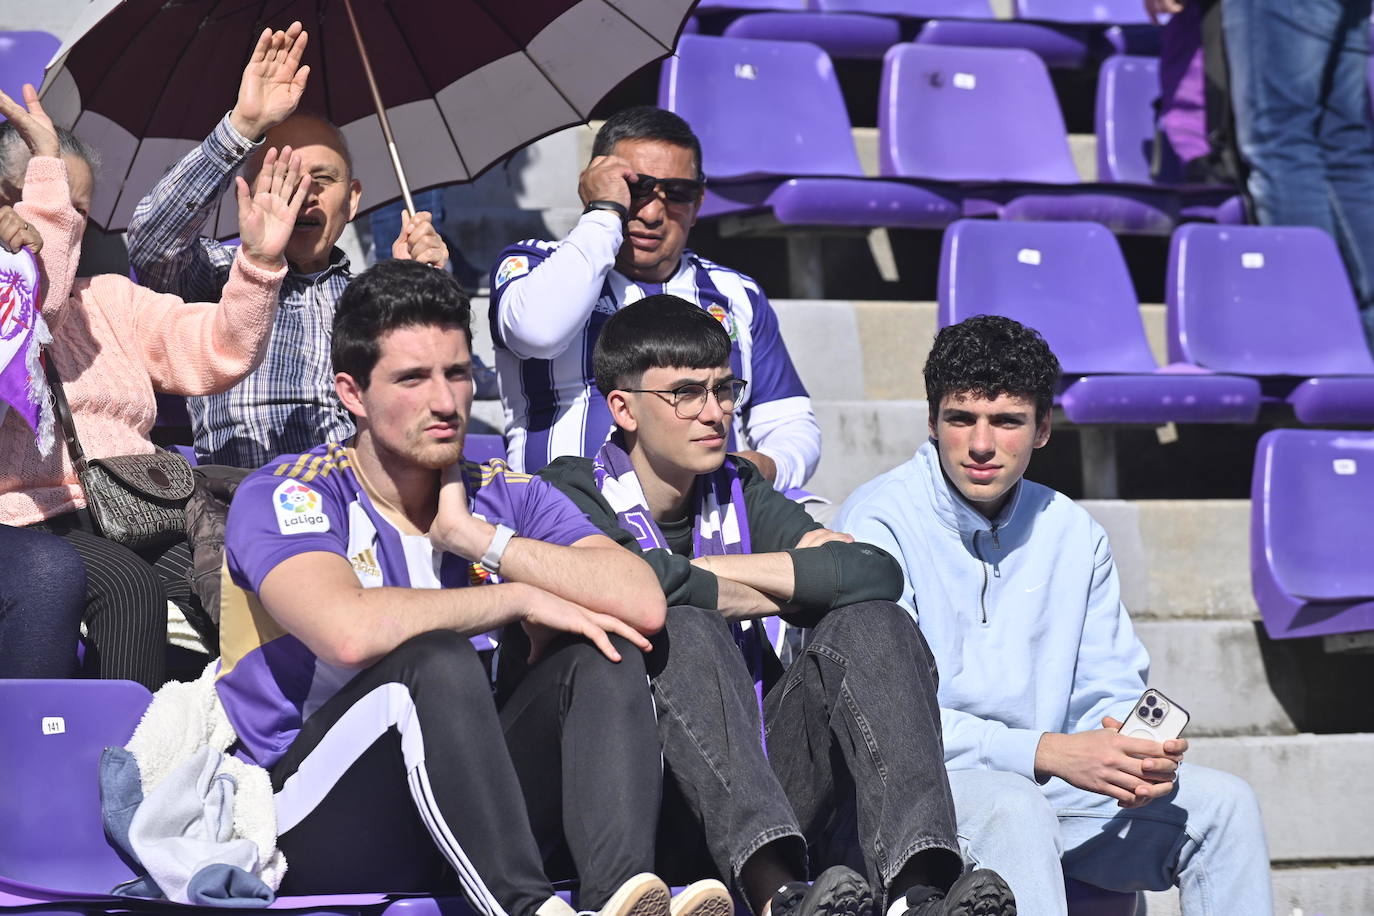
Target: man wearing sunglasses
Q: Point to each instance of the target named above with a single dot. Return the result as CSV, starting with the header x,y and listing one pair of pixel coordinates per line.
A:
x,y
642,191
852,725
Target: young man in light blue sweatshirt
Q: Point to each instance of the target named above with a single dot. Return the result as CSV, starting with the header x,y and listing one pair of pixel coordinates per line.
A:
x,y
1015,590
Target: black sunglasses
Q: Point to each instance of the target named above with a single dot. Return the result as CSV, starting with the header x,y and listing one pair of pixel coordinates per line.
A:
x,y
676,190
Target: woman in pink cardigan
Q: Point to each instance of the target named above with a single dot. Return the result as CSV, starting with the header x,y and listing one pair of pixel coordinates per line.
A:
x,y
114,344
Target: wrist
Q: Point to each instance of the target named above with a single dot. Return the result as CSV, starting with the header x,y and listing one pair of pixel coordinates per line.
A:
x,y
1046,752
248,129
471,539
261,261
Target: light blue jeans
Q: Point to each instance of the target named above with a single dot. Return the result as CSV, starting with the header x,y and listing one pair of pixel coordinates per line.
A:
x,y
1299,76
1206,837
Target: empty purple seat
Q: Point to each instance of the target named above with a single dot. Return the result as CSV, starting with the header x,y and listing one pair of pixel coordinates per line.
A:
x,y
1063,47
849,35
1272,302
1070,282
776,137
483,447
911,9
1309,502
23,56
989,116
1098,12
720,6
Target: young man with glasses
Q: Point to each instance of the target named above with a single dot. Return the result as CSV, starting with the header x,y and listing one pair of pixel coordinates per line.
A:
x,y
851,729
642,191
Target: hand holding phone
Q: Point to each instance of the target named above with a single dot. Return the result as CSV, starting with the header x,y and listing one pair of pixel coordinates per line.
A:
x,y
1155,717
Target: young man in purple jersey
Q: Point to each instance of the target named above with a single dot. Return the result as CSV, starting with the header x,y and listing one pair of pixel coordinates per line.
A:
x,y
852,725
549,300
359,571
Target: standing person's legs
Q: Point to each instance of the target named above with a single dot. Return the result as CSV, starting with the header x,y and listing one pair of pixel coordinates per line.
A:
x,y
863,695
1006,824
1279,53
401,773
581,734
42,597
1348,143
126,603
1207,837
709,729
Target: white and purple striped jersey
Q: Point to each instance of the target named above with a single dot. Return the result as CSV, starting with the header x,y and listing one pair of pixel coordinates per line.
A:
x,y
548,303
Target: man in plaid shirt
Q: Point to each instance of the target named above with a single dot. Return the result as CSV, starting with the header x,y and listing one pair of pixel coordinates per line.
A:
x,y
286,405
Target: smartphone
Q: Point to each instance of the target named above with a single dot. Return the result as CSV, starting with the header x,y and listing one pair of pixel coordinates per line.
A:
x,y
1155,717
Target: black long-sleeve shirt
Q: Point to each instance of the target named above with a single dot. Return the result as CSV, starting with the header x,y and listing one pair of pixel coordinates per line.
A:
x,y
827,577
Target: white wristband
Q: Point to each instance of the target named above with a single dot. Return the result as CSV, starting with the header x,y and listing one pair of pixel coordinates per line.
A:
x,y
491,560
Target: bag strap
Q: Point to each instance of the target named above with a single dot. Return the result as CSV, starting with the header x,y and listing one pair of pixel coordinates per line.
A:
x,y
64,413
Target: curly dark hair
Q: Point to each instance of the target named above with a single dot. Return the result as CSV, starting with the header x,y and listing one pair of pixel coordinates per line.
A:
x,y
988,356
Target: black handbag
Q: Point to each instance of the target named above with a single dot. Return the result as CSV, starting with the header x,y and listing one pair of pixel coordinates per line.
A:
x,y
135,500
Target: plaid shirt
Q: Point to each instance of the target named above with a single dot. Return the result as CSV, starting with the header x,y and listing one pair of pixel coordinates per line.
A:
x,y
287,405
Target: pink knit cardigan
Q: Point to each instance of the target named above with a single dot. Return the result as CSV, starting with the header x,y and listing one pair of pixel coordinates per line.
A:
x,y
114,344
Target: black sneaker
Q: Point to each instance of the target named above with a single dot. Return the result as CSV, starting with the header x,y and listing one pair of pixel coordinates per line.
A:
x,y
839,891
980,892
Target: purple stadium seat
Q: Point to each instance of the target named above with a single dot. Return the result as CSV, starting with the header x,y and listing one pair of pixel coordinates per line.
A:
x,y
1272,302
1127,90
1139,40
1310,497
23,55
911,9
1063,47
1070,282
483,447
849,35
776,137
989,116
1100,12
723,6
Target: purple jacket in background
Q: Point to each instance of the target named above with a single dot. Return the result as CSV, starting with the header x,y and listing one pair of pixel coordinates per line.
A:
x,y
1182,85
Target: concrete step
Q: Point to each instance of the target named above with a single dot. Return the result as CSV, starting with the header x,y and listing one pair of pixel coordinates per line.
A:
x,y
1336,890
1308,788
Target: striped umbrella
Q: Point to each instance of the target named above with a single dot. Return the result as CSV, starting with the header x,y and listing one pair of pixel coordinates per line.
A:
x,y
454,86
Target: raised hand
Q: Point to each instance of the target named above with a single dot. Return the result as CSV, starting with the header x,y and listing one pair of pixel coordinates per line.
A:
x,y
606,178
272,83
34,126
16,232
420,241
267,216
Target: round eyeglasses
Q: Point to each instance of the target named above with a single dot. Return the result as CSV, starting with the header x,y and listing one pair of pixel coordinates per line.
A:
x,y
690,400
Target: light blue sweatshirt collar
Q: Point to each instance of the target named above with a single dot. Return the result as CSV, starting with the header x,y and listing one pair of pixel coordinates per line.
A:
x,y
954,511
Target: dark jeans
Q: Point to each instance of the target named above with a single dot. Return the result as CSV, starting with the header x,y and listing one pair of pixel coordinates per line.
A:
x,y
402,780
42,597
854,742
1299,74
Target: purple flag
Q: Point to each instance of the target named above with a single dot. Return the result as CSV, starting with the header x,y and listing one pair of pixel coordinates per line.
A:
x,y
23,387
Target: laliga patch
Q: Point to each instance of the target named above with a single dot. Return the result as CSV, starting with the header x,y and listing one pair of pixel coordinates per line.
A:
x,y
512,267
299,509
719,313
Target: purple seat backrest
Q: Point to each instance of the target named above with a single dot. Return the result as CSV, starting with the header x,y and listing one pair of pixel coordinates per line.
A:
x,y
1315,495
1105,12
51,737
23,55
761,108
712,6
1127,90
970,114
1067,280
912,9
1262,301
482,447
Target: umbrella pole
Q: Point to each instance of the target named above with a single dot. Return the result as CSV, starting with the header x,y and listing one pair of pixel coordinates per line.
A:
x,y
381,110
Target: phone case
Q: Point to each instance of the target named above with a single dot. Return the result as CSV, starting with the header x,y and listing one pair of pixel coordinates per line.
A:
x,y
1155,717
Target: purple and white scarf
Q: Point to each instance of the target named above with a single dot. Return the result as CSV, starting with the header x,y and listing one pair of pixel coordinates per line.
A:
x,y
721,527
23,386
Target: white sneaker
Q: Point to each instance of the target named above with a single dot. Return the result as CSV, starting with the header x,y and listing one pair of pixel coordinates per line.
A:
x,y
704,898
643,895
